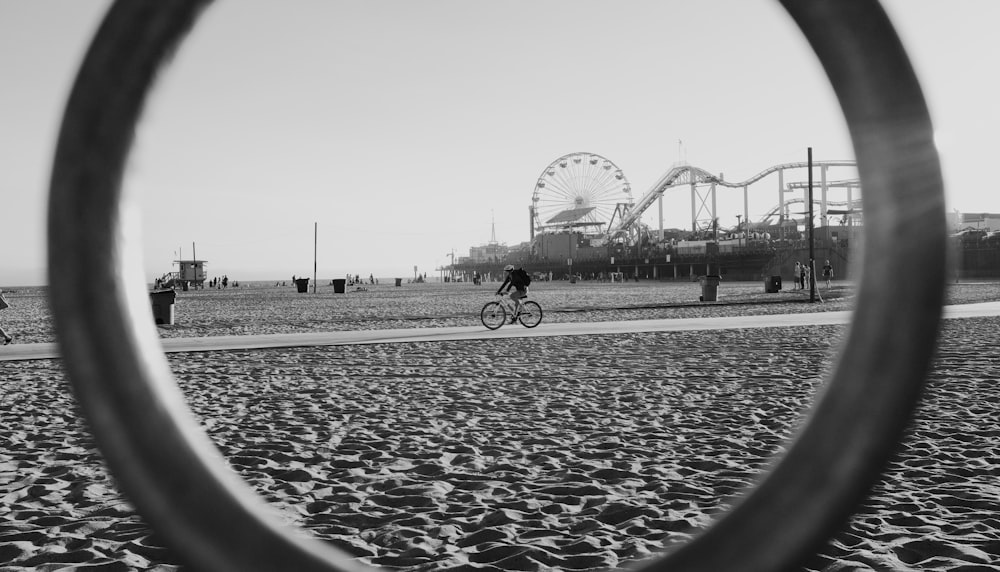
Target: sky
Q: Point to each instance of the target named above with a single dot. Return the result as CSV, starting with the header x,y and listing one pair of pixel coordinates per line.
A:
x,y
405,132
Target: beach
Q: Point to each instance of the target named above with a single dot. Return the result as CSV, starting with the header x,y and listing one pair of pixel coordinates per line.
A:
x,y
562,453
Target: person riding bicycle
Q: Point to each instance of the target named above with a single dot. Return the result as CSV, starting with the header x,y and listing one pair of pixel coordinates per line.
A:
x,y
514,279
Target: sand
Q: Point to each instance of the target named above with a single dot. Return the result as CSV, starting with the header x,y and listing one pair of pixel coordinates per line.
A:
x,y
579,453
257,308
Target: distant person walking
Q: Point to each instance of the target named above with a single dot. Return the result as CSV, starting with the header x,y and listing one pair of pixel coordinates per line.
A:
x,y
7,338
796,277
827,273
802,275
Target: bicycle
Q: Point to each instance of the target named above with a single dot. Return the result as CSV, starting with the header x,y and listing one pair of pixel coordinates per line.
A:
x,y
494,314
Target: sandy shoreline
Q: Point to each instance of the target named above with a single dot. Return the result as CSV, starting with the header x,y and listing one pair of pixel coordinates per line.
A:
x,y
566,453
257,308
262,308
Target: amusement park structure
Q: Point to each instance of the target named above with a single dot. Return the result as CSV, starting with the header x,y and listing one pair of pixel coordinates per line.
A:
x,y
703,200
585,221
579,191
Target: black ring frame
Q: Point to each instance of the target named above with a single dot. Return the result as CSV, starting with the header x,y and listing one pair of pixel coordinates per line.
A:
x,y
213,520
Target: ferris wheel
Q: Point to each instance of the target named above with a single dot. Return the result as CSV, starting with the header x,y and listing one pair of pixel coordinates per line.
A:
x,y
579,190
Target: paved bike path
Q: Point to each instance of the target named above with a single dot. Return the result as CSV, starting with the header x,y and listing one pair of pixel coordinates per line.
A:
x,y
220,343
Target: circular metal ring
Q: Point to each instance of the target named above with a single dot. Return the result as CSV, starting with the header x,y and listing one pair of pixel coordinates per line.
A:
x,y
171,471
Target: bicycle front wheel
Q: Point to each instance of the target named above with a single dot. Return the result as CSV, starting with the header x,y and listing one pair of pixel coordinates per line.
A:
x,y
493,315
531,314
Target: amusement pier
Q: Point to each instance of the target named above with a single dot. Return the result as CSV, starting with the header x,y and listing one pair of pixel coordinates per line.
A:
x,y
585,223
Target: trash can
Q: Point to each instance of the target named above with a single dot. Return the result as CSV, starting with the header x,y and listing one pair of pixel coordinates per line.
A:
x,y
709,287
302,284
339,285
163,306
399,282
772,284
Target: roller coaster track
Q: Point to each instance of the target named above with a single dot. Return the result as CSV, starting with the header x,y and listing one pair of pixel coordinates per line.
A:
x,y
687,174
767,218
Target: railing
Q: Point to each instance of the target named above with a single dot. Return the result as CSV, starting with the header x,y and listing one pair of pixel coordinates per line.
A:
x,y
171,471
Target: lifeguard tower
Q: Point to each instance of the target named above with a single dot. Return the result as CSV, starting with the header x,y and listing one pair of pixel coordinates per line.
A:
x,y
190,273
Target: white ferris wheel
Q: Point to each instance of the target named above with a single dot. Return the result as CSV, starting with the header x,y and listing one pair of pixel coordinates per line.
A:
x,y
579,191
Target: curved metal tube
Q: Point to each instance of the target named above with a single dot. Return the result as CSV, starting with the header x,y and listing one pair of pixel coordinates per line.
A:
x,y
856,424
176,478
161,458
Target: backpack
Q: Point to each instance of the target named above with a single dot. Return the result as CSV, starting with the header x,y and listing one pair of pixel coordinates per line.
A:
x,y
522,277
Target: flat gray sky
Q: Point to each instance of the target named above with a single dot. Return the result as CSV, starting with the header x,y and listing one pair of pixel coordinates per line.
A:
x,y
403,128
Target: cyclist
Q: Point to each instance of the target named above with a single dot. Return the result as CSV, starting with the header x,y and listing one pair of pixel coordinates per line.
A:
x,y
514,280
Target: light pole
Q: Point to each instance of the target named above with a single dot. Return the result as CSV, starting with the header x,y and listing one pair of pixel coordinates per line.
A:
x,y
739,235
812,262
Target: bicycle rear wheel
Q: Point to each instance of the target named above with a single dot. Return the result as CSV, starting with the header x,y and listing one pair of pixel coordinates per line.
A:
x,y
531,314
493,315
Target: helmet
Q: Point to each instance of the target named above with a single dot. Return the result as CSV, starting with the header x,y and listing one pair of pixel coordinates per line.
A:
x,y
508,268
